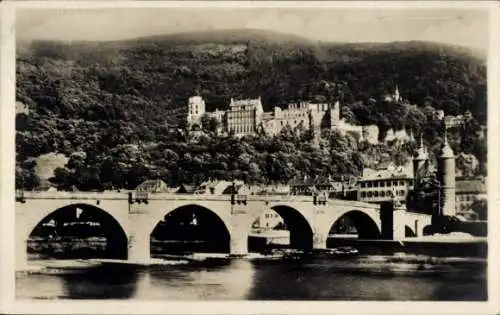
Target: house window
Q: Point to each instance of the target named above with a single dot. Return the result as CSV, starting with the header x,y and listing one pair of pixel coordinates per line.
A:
x,y
369,184
382,184
375,194
382,193
401,192
369,194
401,183
363,194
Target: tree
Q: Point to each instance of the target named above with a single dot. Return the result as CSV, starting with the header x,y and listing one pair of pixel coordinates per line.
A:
x,y
63,178
209,123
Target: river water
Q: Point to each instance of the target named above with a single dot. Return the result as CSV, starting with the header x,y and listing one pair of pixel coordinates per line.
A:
x,y
390,277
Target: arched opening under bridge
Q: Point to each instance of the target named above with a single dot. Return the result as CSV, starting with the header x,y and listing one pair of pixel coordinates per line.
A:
x,y
78,231
352,225
190,229
280,227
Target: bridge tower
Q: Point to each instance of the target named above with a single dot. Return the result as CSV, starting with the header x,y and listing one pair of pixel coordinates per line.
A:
x,y
446,178
419,160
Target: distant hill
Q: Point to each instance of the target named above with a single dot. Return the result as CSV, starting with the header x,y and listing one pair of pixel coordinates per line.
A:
x,y
82,93
279,67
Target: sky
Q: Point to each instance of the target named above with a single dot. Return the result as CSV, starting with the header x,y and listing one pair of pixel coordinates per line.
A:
x,y
465,27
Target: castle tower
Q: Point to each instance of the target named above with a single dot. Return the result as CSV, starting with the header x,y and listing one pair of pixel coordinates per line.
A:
x,y
446,178
396,95
419,160
335,114
196,110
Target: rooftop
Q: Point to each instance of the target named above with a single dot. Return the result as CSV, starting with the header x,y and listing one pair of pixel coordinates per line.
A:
x,y
470,185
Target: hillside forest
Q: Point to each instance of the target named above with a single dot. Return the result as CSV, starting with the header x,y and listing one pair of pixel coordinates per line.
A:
x,y
108,106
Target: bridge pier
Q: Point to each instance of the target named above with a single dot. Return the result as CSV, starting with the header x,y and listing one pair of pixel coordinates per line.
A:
x,y
139,247
239,244
399,225
139,238
21,258
21,242
319,241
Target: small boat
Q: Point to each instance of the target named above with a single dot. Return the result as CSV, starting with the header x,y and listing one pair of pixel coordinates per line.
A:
x,y
347,250
265,257
337,252
285,253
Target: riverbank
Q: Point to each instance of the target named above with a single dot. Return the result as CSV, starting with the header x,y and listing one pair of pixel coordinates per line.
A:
x,y
435,246
431,247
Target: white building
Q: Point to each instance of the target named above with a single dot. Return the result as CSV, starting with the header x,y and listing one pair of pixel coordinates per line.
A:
x,y
196,110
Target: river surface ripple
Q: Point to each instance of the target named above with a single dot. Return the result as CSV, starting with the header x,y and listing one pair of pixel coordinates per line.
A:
x,y
357,278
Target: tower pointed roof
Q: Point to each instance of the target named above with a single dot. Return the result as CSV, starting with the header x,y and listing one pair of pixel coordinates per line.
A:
x,y
396,96
421,153
446,150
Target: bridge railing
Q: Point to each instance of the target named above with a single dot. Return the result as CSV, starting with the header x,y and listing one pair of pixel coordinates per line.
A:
x,y
144,197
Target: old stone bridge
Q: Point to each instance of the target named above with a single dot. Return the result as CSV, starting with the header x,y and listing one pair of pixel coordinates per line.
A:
x,y
134,217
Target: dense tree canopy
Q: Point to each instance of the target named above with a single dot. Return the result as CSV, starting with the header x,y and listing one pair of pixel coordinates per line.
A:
x,y
108,106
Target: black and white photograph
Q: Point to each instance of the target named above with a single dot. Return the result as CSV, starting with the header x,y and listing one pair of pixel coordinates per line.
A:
x,y
250,152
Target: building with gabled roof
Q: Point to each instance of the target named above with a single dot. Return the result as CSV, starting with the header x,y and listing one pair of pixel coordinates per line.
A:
x,y
152,186
385,182
468,191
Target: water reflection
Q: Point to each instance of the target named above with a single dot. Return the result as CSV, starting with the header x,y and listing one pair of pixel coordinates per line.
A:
x,y
108,281
229,281
353,279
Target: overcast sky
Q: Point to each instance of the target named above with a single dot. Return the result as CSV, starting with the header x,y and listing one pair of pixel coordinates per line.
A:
x,y
463,27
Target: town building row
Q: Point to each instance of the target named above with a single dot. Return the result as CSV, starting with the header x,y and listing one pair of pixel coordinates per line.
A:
x,y
382,184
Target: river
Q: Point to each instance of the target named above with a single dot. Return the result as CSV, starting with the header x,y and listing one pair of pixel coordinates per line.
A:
x,y
374,277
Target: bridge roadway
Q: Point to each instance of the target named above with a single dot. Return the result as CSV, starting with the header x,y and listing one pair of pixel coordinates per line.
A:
x,y
134,216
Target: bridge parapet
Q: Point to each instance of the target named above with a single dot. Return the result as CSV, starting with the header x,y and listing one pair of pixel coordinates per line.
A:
x,y
74,195
240,199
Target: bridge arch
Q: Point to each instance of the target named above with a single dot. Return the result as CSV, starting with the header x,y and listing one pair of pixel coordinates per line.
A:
x,y
409,231
297,222
367,225
206,229
71,216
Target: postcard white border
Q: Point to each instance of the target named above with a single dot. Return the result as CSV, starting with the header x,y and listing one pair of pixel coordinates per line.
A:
x,y
8,304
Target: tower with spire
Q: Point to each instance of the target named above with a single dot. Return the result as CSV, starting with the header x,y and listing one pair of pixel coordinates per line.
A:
x,y
446,178
419,161
396,97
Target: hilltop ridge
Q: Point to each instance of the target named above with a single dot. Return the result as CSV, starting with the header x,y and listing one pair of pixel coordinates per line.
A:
x,y
81,94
